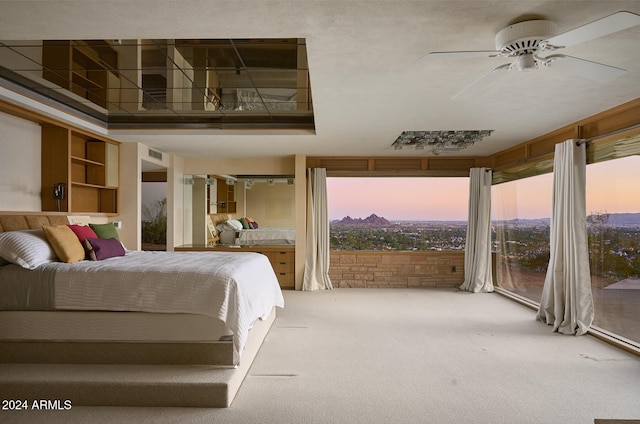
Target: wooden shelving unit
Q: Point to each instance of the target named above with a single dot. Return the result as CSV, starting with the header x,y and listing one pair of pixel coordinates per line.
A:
x,y
82,67
88,167
226,197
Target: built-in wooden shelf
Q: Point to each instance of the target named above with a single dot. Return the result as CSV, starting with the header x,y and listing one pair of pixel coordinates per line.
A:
x,y
87,166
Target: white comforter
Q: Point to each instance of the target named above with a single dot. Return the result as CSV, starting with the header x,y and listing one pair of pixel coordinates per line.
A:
x,y
267,236
237,288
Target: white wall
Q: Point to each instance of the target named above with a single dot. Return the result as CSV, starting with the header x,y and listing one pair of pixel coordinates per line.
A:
x,y
130,195
271,206
301,217
175,203
19,164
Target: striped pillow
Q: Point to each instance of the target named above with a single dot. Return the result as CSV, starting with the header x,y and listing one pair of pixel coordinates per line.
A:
x,y
27,248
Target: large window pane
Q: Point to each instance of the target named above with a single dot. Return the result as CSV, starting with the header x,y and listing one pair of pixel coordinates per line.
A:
x,y
613,226
398,213
521,211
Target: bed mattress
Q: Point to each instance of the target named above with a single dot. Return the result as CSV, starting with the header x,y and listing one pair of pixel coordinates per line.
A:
x,y
236,288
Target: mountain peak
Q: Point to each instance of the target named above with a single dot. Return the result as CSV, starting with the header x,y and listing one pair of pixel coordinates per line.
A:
x,y
372,220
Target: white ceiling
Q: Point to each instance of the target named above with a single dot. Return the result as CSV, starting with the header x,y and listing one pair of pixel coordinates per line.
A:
x,y
367,79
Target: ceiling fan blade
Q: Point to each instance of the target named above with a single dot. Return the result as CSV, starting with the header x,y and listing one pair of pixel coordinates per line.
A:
x,y
585,68
460,54
600,28
484,81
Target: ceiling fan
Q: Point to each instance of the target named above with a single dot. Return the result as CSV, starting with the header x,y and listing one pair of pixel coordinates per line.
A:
x,y
525,41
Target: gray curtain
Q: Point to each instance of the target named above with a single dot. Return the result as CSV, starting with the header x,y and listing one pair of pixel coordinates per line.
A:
x,y
316,266
567,302
478,276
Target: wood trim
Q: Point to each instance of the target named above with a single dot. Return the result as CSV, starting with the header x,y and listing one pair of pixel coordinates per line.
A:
x,y
618,118
343,166
154,177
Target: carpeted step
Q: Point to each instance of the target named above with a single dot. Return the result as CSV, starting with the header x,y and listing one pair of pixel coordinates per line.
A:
x,y
119,385
206,386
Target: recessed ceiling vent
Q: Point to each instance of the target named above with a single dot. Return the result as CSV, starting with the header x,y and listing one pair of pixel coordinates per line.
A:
x,y
155,154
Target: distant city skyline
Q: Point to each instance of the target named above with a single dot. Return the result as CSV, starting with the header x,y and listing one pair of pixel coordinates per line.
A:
x,y
612,187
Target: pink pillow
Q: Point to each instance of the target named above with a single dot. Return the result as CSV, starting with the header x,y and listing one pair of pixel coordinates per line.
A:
x,y
82,232
100,249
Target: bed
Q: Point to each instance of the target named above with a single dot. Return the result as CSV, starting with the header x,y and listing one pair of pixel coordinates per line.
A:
x,y
151,307
236,232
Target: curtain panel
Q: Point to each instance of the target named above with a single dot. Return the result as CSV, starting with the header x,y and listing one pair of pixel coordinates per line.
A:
x,y
567,301
316,266
478,275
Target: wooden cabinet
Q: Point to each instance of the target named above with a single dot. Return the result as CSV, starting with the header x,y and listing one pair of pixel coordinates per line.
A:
x,y
281,257
283,263
87,167
86,68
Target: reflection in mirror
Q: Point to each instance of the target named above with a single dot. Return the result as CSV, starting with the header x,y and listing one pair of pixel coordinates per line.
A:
x,y
268,200
182,83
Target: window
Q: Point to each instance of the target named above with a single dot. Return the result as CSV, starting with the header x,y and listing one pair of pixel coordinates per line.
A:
x,y
521,211
398,213
613,229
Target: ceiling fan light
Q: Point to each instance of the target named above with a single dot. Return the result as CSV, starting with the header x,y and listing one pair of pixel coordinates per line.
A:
x,y
526,62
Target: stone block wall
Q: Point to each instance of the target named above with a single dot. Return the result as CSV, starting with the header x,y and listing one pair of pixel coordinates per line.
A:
x,y
396,269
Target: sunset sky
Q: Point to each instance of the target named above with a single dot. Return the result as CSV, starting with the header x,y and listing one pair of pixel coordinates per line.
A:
x,y
612,186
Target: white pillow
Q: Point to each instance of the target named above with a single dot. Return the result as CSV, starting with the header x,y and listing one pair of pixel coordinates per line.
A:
x,y
237,225
27,248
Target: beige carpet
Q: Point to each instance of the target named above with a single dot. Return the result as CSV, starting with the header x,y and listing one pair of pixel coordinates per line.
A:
x,y
409,356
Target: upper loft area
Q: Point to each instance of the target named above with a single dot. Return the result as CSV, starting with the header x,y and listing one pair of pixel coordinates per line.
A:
x,y
167,84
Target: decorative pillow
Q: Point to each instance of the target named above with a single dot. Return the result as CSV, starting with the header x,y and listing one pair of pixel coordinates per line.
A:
x,y
237,225
223,226
82,232
105,231
100,248
65,243
27,248
252,224
245,223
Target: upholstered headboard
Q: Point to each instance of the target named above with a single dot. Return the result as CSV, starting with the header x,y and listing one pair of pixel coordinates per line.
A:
x,y
14,222
217,218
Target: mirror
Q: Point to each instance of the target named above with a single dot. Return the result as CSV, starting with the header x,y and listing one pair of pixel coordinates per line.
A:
x,y
268,200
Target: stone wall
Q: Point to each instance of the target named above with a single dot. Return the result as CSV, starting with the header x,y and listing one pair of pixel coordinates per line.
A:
x,y
396,269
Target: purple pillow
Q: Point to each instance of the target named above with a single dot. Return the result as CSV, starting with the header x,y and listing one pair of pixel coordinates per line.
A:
x,y
99,249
